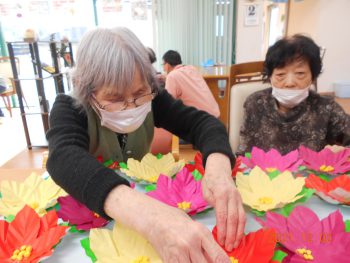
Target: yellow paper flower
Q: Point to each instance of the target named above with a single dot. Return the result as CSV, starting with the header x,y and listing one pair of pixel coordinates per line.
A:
x,y
34,192
121,245
150,167
261,193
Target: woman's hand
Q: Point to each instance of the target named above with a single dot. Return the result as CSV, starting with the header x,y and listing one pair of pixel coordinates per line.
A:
x,y
220,192
173,234
335,148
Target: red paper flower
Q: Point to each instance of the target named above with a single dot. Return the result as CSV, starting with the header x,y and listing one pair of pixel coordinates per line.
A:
x,y
255,247
29,238
336,191
198,165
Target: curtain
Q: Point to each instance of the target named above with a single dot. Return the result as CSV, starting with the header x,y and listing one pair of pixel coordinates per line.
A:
x,y
200,30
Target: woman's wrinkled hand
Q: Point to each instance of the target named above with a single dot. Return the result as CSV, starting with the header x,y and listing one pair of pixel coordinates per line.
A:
x,y
220,191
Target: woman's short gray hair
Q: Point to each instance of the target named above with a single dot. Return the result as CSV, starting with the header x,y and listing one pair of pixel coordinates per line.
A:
x,y
109,58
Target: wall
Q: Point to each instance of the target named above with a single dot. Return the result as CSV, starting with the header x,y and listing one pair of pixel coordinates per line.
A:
x,y
249,39
327,22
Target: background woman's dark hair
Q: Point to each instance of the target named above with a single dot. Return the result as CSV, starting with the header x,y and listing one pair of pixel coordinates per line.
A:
x,y
290,49
172,57
152,56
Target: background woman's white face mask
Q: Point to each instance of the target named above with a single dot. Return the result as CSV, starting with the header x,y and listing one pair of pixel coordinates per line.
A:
x,y
125,121
290,97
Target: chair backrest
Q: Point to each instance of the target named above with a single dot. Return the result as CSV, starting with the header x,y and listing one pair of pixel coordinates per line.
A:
x,y
246,78
6,69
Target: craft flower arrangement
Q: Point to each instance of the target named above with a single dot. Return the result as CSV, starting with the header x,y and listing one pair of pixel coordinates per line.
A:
x,y
35,192
150,167
272,160
255,247
309,239
183,192
326,161
29,238
262,193
78,214
335,191
120,245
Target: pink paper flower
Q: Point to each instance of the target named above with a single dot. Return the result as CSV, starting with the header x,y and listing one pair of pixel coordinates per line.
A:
x,y
78,214
309,238
326,161
273,160
183,192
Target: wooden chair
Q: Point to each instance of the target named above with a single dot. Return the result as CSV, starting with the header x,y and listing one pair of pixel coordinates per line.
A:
x,y
245,79
6,72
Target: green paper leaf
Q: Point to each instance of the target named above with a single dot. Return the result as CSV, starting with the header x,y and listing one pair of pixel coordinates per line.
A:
x,y
150,187
9,218
197,175
123,165
248,155
74,229
347,226
0,195
302,168
325,177
287,209
55,207
64,224
273,174
159,156
279,256
108,163
85,243
258,213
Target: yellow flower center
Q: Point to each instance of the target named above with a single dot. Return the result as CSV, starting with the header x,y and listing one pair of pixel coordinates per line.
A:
x,y
234,260
153,179
184,205
34,205
96,215
141,259
265,200
22,253
306,253
270,169
326,168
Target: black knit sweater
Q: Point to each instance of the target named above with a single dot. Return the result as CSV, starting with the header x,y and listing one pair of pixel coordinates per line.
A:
x,y
82,176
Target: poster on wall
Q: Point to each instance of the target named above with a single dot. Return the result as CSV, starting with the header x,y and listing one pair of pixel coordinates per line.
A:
x,y
251,15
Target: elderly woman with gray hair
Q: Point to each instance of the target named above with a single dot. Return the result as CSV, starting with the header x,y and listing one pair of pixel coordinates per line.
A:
x,y
113,110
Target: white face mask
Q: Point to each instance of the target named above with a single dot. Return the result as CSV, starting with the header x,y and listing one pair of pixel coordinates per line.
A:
x,y
290,97
125,121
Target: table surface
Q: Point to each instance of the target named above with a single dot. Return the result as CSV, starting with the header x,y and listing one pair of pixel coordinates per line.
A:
x,y
70,250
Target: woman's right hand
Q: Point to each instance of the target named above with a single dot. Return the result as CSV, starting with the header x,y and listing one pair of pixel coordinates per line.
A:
x,y
173,234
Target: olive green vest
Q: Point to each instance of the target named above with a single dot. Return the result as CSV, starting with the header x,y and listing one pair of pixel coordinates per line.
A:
x,y
104,142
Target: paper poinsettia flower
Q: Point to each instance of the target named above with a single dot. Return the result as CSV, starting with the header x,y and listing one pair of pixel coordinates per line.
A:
x,y
262,193
336,191
34,191
78,214
326,161
272,160
151,167
29,238
121,245
183,192
198,165
311,239
255,247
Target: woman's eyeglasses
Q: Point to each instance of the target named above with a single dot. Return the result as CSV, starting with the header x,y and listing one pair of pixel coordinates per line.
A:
x,y
122,105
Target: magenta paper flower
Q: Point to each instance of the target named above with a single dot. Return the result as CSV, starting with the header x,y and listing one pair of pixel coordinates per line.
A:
x,y
78,214
183,192
326,161
272,160
309,238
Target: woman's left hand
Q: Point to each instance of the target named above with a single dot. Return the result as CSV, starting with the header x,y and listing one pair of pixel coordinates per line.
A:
x,y
220,192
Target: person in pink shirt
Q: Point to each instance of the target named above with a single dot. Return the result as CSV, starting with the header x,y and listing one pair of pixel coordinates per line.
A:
x,y
185,82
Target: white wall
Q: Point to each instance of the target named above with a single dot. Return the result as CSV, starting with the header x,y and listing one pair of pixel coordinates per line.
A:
x,y
328,23
249,39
